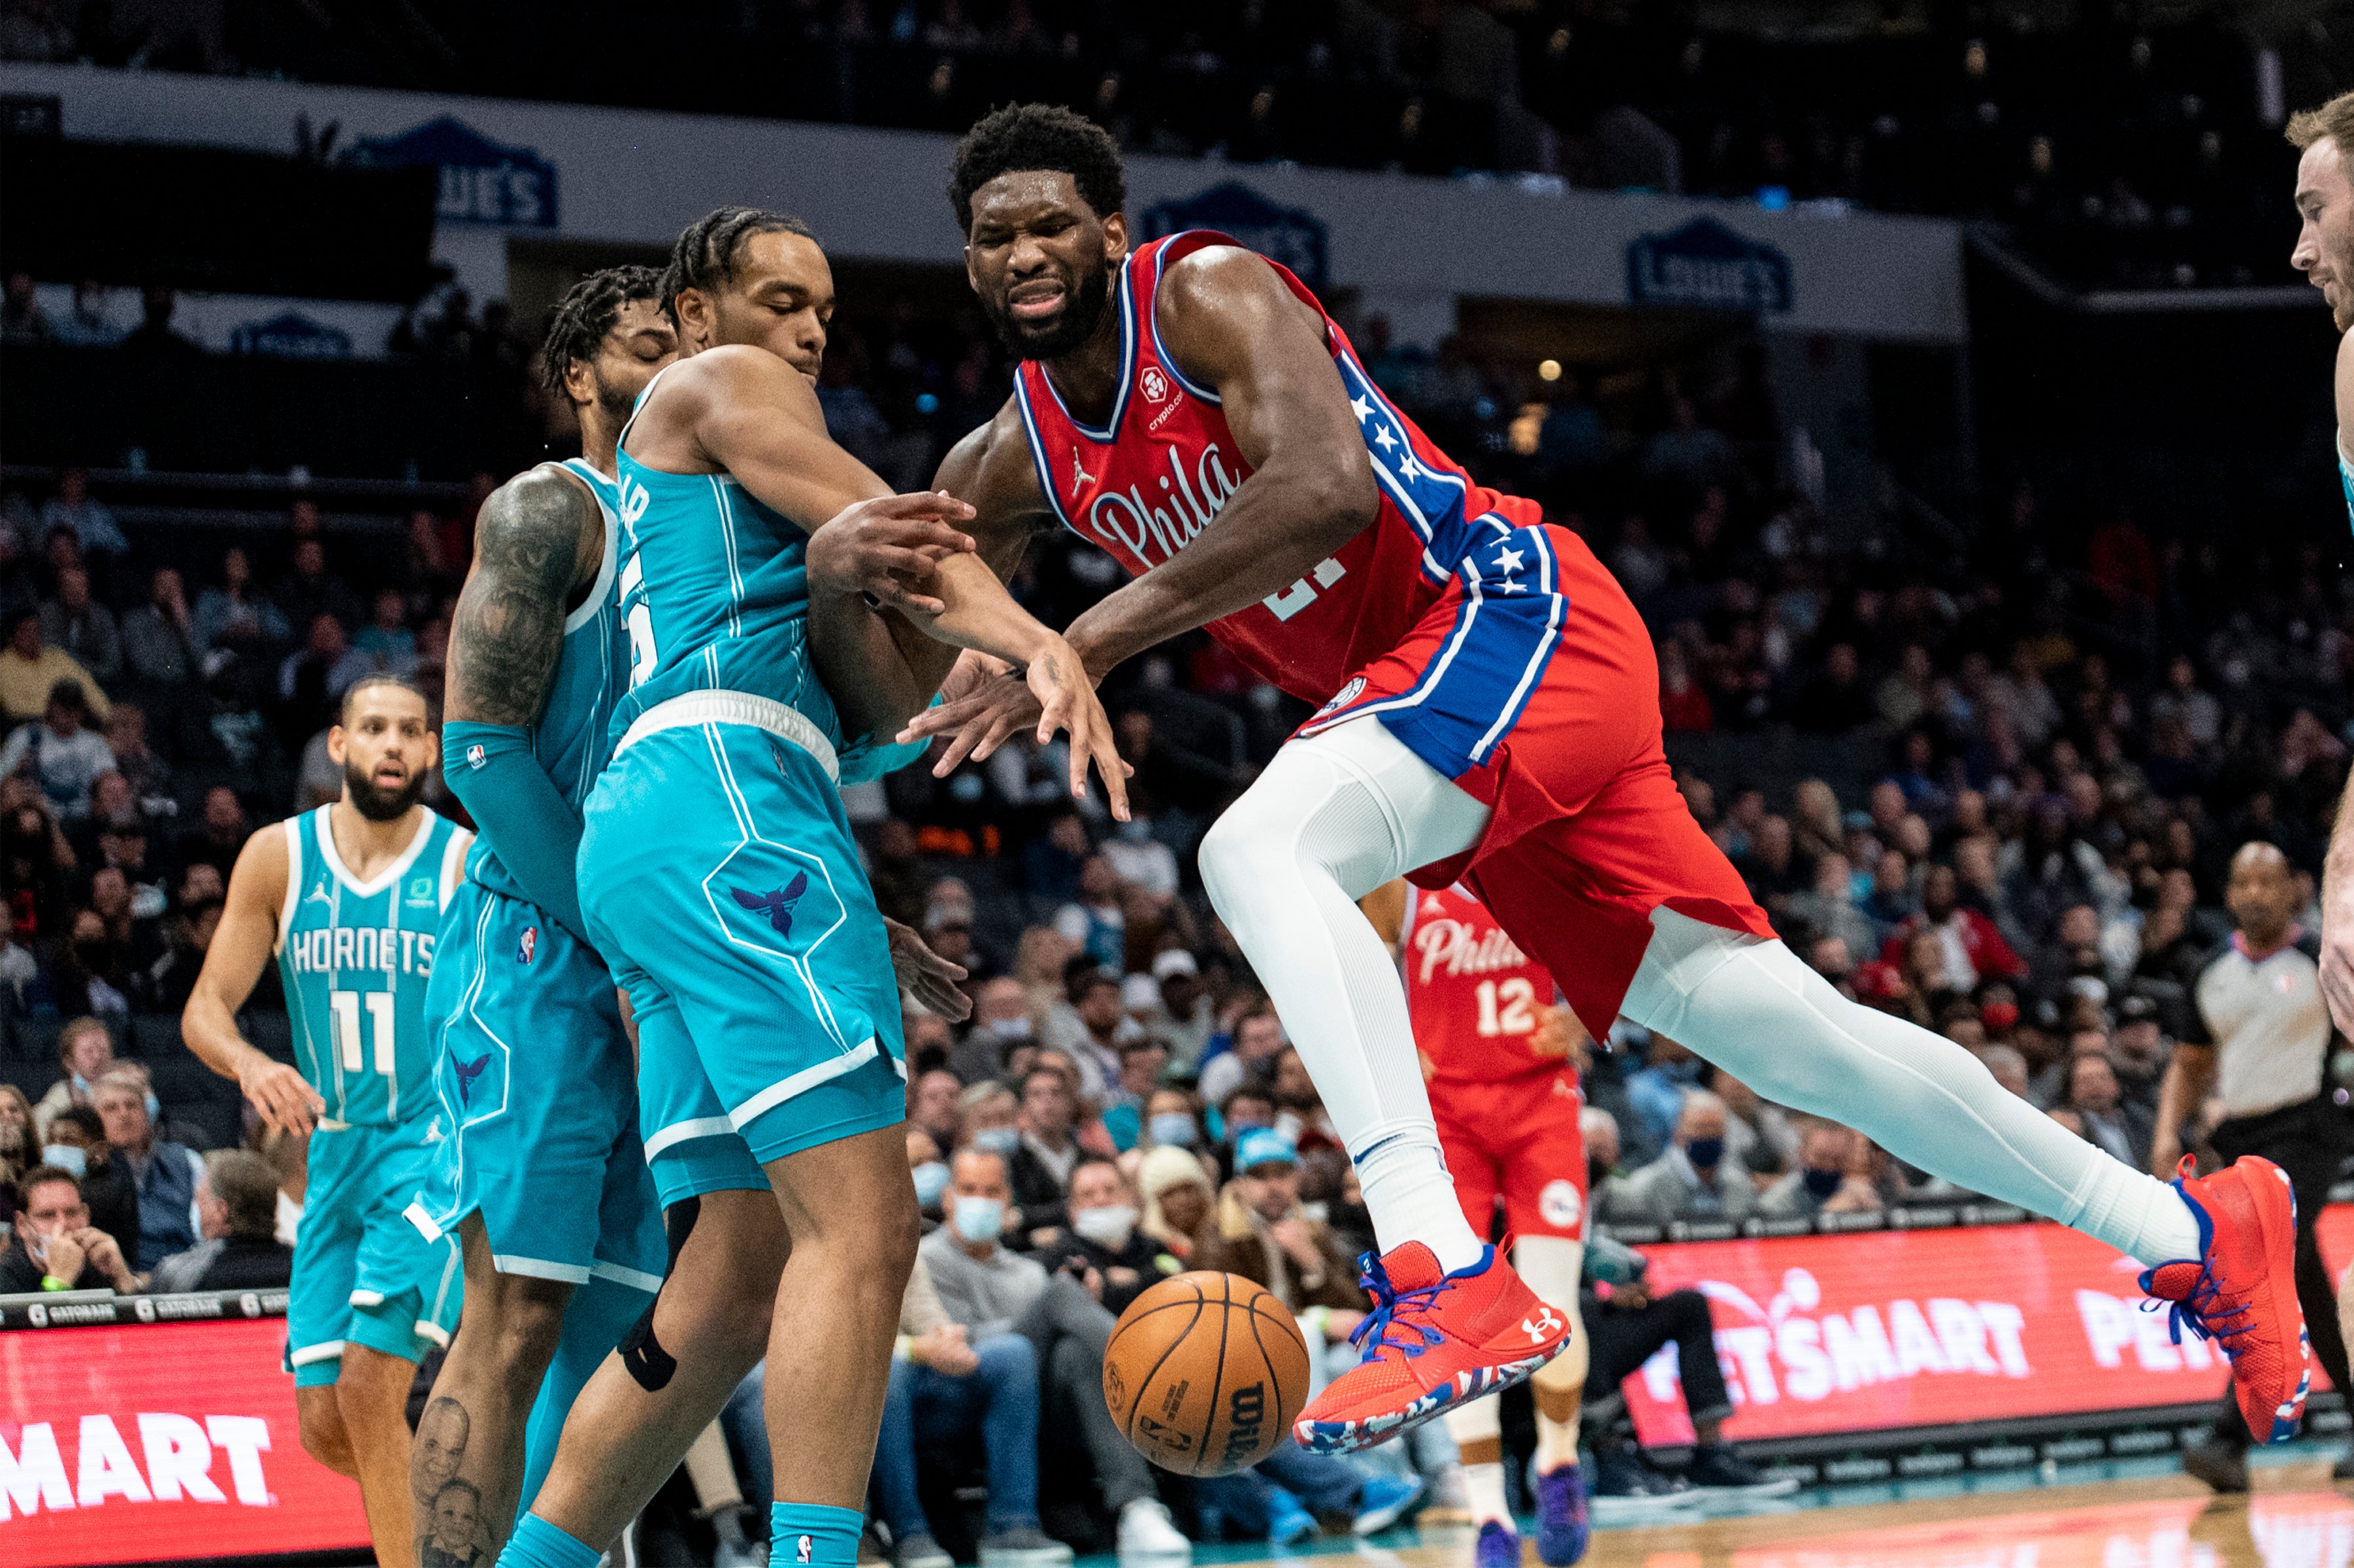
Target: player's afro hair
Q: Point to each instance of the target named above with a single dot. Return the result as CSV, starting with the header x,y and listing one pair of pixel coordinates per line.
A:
x,y
705,256
1038,136
585,314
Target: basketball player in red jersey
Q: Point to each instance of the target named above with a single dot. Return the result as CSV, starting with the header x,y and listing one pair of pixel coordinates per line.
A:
x,y
1497,1055
1491,715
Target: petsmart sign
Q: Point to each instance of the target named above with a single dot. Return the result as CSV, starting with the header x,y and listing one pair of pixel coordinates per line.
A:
x,y
1704,265
1292,235
482,182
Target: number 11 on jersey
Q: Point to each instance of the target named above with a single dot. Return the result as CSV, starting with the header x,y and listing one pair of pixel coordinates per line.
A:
x,y
345,1005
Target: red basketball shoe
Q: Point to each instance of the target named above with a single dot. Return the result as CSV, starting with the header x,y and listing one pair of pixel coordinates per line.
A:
x,y
1432,1342
2241,1293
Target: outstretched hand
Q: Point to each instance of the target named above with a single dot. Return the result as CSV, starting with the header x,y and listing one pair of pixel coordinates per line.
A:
x,y
1068,701
929,977
988,711
887,548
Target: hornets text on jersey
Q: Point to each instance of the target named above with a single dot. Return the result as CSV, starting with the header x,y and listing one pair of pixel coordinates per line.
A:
x,y
355,958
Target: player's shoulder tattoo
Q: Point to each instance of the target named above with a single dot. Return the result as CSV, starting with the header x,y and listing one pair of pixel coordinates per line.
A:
x,y
535,535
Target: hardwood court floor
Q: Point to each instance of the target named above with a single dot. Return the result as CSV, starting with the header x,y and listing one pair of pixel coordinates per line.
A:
x,y
2120,1514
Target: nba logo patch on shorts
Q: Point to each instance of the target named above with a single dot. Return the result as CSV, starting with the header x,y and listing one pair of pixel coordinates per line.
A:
x,y
526,944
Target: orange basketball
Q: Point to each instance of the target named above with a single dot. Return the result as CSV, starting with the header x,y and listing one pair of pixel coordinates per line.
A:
x,y
1205,1374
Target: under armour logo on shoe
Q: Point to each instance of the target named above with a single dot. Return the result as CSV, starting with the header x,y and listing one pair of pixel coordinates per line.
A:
x,y
467,1072
1541,1327
806,1543
779,905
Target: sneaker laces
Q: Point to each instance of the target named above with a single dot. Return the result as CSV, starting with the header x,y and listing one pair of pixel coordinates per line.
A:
x,y
1384,1326
2198,1311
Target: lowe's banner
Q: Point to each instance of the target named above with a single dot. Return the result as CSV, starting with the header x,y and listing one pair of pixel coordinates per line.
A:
x,y
1400,242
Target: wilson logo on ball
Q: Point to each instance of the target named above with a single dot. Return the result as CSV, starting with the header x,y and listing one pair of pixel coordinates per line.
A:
x,y
1246,1413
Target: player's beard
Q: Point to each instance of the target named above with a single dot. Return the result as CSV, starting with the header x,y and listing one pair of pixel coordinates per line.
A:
x,y
1090,296
376,802
612,401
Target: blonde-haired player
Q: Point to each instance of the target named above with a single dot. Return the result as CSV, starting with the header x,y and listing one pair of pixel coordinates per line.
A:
x,y
1502,1061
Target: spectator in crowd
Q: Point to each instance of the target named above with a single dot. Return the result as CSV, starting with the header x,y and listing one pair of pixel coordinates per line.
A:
x,y
1257,1040
1185,1015
1759,1137
1972,948
60,752
236,1209
56,1247
1690,1181
1656,1093
959,1393
153,784
1104,1243
2096,1111
2009,1068
1095,924
83,627
20,1143
991,1117
1177,1196
1624,1329
219,834
88,324
153,338
164,1173
1039,1170
1260,1231
1103,1027
31,671
1823,1182
994,1294
85,1055
1141,1064
234,618
90,520
932,1106
309,590
1001,1021
387,639
161,646
76,1143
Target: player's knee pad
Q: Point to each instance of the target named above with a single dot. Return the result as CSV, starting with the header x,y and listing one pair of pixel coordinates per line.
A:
x,y
651,1366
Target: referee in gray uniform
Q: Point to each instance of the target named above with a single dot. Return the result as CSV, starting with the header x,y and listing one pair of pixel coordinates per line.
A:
x,y
2261,1043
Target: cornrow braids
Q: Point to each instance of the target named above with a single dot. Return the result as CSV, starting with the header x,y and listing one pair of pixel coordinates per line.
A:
x,y
705,256
1038,136
585,314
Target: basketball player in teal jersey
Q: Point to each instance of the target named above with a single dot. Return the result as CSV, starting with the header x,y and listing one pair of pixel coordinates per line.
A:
x,y
543,1177
349,898
719,876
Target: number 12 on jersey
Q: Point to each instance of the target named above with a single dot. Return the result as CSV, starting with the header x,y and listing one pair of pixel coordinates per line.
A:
x,y
345,1005
1518,1015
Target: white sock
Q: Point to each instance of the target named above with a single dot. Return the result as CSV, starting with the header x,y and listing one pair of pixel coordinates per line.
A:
x,y
1752,1007
1332,818
1483,1486
1556,1444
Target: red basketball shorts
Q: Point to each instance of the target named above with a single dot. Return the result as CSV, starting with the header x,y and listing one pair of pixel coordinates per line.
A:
x,y
1517,1141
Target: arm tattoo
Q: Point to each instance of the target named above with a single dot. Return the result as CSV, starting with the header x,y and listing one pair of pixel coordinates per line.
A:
x,y
533,536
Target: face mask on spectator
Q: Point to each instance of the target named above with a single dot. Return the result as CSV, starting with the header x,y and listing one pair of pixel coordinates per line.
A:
x,y
154,1110
998,1139
1821,1184
67,1156
977,1220
1999,1016
1173,1128
1705,1152
931,1180
1108,1228
1011,1028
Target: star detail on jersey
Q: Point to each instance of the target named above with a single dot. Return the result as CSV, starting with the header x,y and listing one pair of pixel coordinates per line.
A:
x,y
1508,560
778,905
1362,406
467,1072
1383,439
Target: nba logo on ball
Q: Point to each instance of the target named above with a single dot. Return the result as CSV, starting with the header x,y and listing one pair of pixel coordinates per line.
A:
x,y
1560,1204
527,945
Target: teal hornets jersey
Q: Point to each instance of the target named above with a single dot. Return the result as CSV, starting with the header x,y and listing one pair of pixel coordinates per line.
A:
x,y
571,739
355,958
714,593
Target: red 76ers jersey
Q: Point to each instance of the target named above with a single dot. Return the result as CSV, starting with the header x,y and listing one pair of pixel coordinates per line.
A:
x,y
1147,483
1477,1003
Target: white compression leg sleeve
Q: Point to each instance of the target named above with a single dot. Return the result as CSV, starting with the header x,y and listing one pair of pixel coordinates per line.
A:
x,y
1753,1007
1333,817
1550,1267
